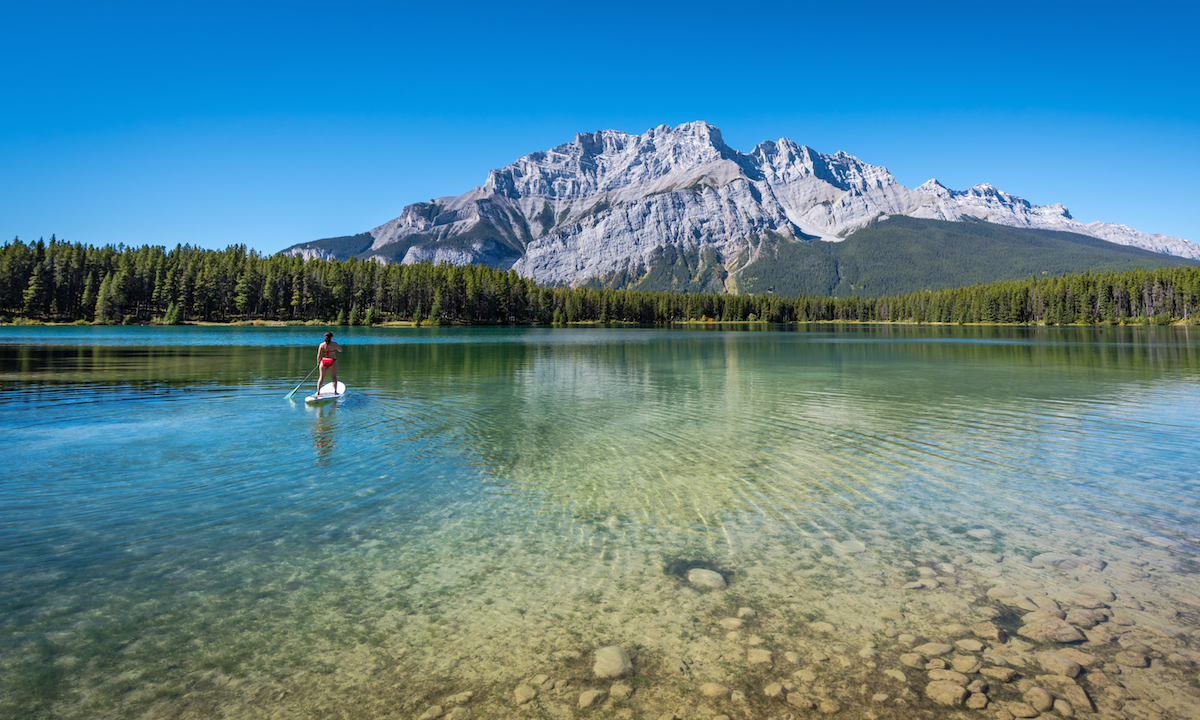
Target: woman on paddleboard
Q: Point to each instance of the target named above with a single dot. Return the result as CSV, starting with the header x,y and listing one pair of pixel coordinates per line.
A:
x,y
327,360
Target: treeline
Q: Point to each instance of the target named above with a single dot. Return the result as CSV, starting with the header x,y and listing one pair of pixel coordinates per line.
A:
x,y
70,282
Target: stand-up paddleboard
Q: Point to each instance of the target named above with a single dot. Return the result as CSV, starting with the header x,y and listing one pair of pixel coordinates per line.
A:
x,y
327,392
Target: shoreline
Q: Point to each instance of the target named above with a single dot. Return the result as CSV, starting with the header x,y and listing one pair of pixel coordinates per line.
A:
x,y
22,322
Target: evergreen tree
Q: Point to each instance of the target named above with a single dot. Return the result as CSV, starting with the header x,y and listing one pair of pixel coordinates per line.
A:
x,y
435,310
35,295
105,311
172,315
88,301
245,292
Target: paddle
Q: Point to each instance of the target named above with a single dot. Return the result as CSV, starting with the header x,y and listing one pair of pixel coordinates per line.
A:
x,y
306,377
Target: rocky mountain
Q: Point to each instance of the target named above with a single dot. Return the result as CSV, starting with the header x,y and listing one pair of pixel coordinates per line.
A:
x,y
608,203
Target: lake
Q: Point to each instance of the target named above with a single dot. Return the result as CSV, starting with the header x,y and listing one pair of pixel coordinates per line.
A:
x,y
891,513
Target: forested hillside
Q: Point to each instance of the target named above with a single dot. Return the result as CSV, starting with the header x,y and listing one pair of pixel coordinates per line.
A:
x,y
887,257
70,282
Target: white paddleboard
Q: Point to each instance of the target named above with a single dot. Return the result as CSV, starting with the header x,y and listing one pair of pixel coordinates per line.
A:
x,y
327,392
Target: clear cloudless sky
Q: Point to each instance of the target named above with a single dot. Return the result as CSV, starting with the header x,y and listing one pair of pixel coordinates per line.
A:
x,y
268,124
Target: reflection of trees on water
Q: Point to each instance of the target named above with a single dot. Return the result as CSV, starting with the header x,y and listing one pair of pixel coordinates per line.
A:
x,y
689,424
692,426
687,429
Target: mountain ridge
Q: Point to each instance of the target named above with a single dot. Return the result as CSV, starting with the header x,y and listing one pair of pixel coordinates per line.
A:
x,y
608,201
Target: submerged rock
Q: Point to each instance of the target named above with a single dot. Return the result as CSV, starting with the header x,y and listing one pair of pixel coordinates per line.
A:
x,y
1056,664
612,662
1051,630
590,698
933,649
946,692
1039,699
949,676
1003,674
1043,614
706,578
801,701
977,701
1134,645
1086,619
524,694
1078,698
955,630
1099,592
966,663
1079,656
1022,710
759,656
1132,659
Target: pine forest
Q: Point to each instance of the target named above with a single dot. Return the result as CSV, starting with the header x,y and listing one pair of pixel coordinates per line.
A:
x,y
65,282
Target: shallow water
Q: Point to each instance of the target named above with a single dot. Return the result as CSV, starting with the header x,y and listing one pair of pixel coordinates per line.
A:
x,y
491,504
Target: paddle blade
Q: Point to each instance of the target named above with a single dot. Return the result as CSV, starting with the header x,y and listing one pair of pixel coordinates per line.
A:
x,y
306,377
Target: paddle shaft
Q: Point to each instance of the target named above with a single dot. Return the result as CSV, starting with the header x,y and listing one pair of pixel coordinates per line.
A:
x,y
306,377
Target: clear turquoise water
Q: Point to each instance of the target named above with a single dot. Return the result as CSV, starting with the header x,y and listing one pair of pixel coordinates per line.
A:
x,y
487,497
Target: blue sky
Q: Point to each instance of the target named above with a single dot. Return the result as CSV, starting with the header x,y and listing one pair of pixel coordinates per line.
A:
x,y
270,124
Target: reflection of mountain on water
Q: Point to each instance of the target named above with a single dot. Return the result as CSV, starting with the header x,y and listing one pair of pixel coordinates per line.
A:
x,y
693,426
674,430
